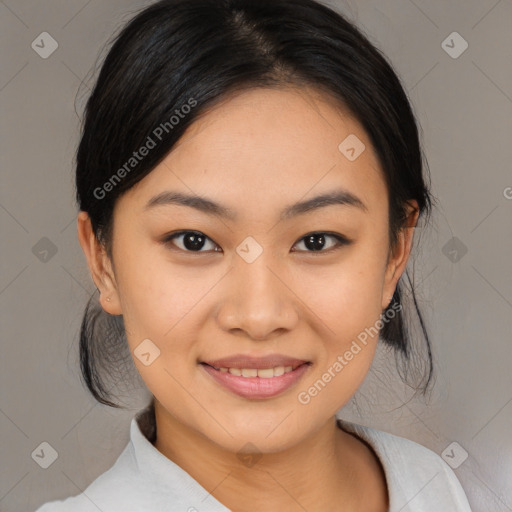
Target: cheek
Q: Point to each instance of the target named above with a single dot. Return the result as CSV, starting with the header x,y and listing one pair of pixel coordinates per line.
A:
x,y
155,296
351,310
350,306
347,297
158,301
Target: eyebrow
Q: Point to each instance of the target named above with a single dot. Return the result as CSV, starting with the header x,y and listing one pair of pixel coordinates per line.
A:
x,y
205,205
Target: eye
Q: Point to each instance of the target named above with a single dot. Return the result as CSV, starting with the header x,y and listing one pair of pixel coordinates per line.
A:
x,y
195,241
316,242
192,241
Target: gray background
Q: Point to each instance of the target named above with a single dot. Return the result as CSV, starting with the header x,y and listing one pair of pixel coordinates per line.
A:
x,y
464,107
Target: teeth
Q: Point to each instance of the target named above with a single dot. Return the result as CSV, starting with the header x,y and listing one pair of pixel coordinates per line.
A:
x,y
266,373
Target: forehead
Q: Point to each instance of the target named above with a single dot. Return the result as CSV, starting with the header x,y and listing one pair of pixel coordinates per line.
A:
x,y
264,147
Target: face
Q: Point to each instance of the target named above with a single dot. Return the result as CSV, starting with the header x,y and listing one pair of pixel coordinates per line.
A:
x,y
253,276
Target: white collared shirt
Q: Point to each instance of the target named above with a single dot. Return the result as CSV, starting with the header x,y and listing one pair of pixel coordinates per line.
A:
x,y
144,480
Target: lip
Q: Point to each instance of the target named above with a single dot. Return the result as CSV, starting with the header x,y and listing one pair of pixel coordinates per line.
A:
x,y
256,387
260,363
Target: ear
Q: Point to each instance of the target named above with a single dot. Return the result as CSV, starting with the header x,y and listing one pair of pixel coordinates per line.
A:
x,y
399,256
99,264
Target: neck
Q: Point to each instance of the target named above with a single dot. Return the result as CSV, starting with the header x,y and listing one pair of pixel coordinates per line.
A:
x,y
329,466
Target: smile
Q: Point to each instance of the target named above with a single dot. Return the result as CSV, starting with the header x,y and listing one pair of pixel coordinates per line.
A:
x,y
257,383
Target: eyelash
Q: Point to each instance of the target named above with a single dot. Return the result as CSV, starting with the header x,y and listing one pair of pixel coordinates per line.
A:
x,y
341,241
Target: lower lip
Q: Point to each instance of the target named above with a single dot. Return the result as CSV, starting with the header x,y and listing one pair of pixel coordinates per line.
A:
x,y
257,387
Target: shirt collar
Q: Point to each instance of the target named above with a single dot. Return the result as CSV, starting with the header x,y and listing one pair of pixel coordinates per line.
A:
x,y
163,476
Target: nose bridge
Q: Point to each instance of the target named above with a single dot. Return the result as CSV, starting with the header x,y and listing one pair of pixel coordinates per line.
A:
x,y
252,262
258,302
257,281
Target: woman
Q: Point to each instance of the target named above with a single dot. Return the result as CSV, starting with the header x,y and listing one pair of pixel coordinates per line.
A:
x,y
249,178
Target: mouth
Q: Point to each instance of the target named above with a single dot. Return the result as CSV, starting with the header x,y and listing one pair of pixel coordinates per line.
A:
x,y
257,383
262,373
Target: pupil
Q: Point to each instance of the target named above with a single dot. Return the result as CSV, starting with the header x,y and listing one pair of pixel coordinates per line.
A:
x,y
193,241
309,242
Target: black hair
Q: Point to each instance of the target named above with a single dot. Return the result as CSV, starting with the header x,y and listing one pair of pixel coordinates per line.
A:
x,y
176,59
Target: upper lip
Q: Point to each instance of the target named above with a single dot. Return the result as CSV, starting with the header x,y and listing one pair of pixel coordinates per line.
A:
x,y
260,363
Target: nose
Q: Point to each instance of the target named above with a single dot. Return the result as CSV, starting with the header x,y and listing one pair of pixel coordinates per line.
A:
x,y
258,301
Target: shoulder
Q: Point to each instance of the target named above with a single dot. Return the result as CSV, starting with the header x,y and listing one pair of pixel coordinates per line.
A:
x,y
418,478
141,479
109,491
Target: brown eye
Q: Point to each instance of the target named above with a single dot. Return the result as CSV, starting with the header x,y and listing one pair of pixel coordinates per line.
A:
x,y
191,241
316,242
195,241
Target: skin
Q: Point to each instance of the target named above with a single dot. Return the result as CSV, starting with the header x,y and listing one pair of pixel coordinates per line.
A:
x,y
256,153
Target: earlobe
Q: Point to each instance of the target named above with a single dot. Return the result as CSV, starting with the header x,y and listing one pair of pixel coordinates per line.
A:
x,y
110,304
99,265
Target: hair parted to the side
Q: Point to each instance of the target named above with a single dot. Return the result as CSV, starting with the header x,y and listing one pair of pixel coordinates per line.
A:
x,y
183,52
